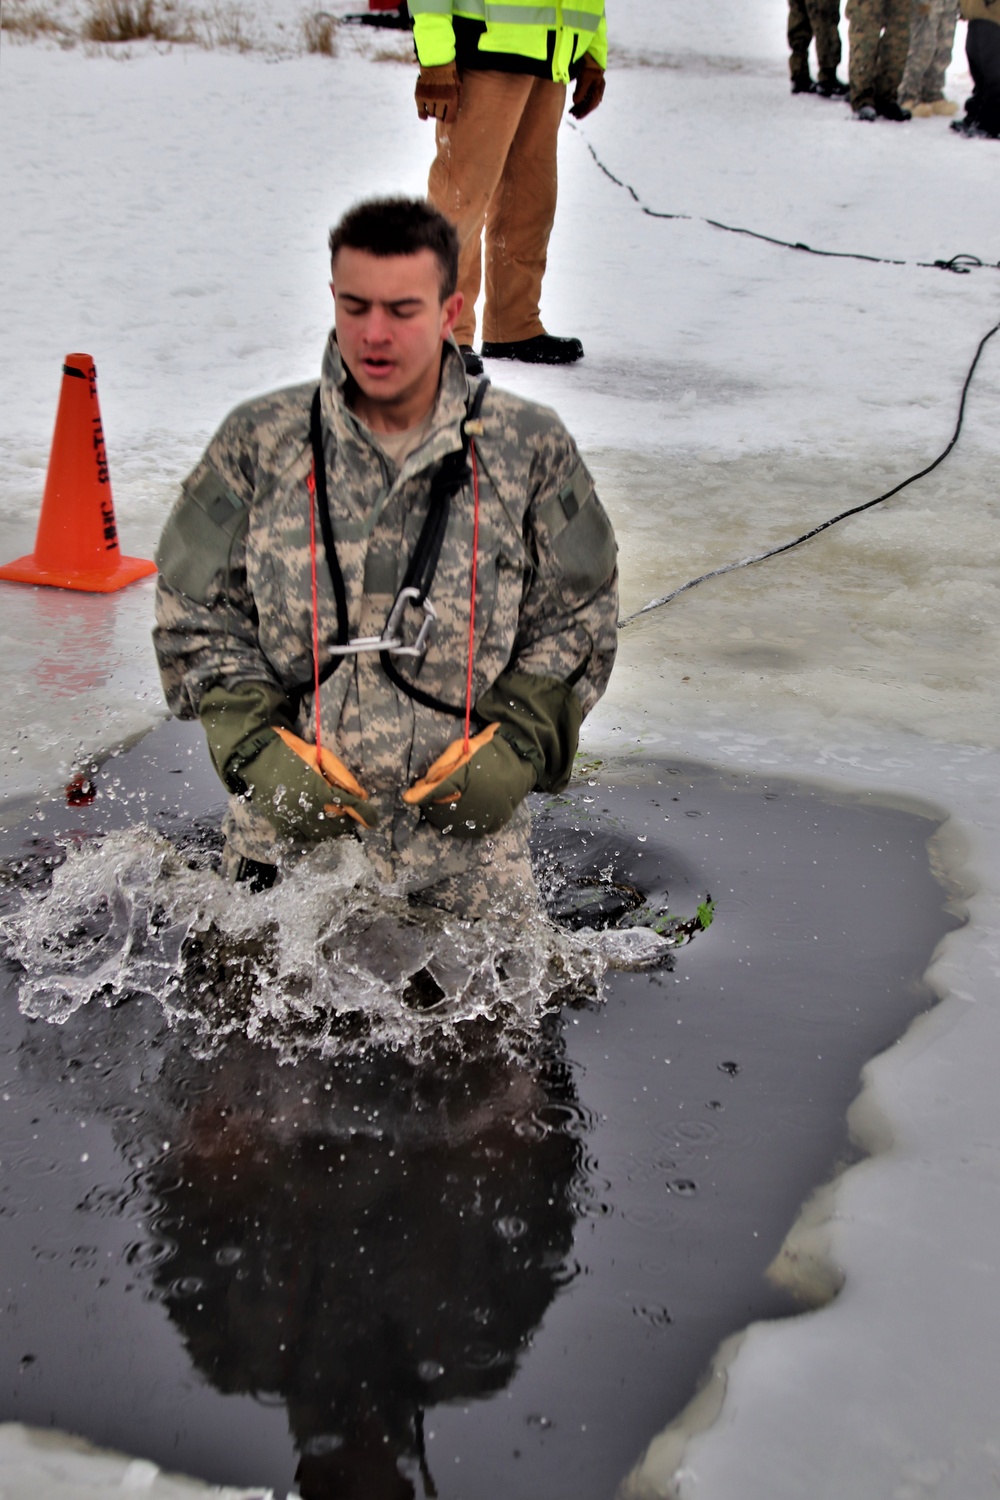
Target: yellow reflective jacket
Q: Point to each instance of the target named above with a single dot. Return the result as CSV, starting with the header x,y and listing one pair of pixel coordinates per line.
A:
x,y
519,28
980,10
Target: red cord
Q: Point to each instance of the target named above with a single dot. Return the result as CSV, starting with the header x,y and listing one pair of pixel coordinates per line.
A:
x,y
311,482
472,601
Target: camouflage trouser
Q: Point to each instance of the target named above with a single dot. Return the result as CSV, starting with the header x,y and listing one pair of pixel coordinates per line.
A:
x,y
932,36
819,19
472,878
879,38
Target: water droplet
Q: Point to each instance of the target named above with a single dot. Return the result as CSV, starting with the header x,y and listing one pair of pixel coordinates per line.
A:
x,y
510,1227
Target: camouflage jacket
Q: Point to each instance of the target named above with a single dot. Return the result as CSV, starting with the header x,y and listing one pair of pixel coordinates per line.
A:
x,y
234,597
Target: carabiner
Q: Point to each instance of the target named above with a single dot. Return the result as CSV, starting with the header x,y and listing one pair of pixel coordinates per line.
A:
x,y
390,640
395,645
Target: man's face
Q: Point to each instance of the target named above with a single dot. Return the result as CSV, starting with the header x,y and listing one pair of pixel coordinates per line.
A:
x,y
390,323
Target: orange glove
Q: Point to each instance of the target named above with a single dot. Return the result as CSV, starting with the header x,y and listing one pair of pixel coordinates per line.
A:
x,y
336,775
589,90
436,92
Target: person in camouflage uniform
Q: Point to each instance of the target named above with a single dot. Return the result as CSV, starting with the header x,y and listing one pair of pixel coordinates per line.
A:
x,y
273,568
879,38
819,19
932,37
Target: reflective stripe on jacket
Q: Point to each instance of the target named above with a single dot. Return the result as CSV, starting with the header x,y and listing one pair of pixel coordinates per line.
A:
x,y
519,28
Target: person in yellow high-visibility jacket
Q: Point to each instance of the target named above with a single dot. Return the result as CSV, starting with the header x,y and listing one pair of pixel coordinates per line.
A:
x,y
494,78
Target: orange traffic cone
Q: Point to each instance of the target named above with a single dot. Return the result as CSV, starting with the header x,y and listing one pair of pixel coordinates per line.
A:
x,y
76,546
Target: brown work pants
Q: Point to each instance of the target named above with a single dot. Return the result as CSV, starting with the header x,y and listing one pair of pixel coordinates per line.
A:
x,y
496,165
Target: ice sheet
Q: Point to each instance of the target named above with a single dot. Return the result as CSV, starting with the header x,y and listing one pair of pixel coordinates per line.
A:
x,y
45,1465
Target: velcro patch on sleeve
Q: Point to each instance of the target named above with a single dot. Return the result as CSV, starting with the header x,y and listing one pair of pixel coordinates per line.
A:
x,y
197,541
581,536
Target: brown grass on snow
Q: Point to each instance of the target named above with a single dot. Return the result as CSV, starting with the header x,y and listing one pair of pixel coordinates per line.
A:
x,y
320,33
131,21
30,22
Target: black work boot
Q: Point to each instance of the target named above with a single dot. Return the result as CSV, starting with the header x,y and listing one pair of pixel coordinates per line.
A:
x,y
473,364
890,110
543,349
832,87
801,80
971,129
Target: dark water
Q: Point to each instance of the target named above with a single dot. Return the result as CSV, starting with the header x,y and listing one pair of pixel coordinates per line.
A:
x,y
479,1276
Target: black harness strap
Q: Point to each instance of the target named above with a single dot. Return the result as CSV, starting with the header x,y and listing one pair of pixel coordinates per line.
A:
x,y
449,480
326,526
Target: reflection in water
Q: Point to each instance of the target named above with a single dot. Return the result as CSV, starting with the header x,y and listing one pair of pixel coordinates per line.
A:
x,y
359,1240
77,631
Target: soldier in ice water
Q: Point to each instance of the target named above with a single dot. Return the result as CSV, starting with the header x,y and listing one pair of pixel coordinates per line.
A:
x,y
389,596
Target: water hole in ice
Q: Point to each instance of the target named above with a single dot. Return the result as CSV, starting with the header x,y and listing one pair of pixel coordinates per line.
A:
x,y
395,1269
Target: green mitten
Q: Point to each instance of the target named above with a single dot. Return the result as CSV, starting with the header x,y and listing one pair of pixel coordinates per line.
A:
x,y
298,800
306,795
473,794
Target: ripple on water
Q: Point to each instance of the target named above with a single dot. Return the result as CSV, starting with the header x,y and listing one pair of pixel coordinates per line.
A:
x,y
149,1252
645,1215
654,1315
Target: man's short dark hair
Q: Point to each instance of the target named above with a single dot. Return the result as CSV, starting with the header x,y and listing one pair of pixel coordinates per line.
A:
x,y
400,226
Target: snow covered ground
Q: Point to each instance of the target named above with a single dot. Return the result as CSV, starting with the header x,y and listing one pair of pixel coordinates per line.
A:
x,y
36,1465
165,209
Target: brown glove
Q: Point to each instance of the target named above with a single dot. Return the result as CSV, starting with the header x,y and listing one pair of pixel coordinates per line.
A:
x,y
436,92
589,89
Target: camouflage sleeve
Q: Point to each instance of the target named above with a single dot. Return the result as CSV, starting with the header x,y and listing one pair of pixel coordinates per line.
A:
x,y
568,625
206,620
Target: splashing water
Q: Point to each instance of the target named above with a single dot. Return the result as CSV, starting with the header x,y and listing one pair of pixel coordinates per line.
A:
x,y
326,961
